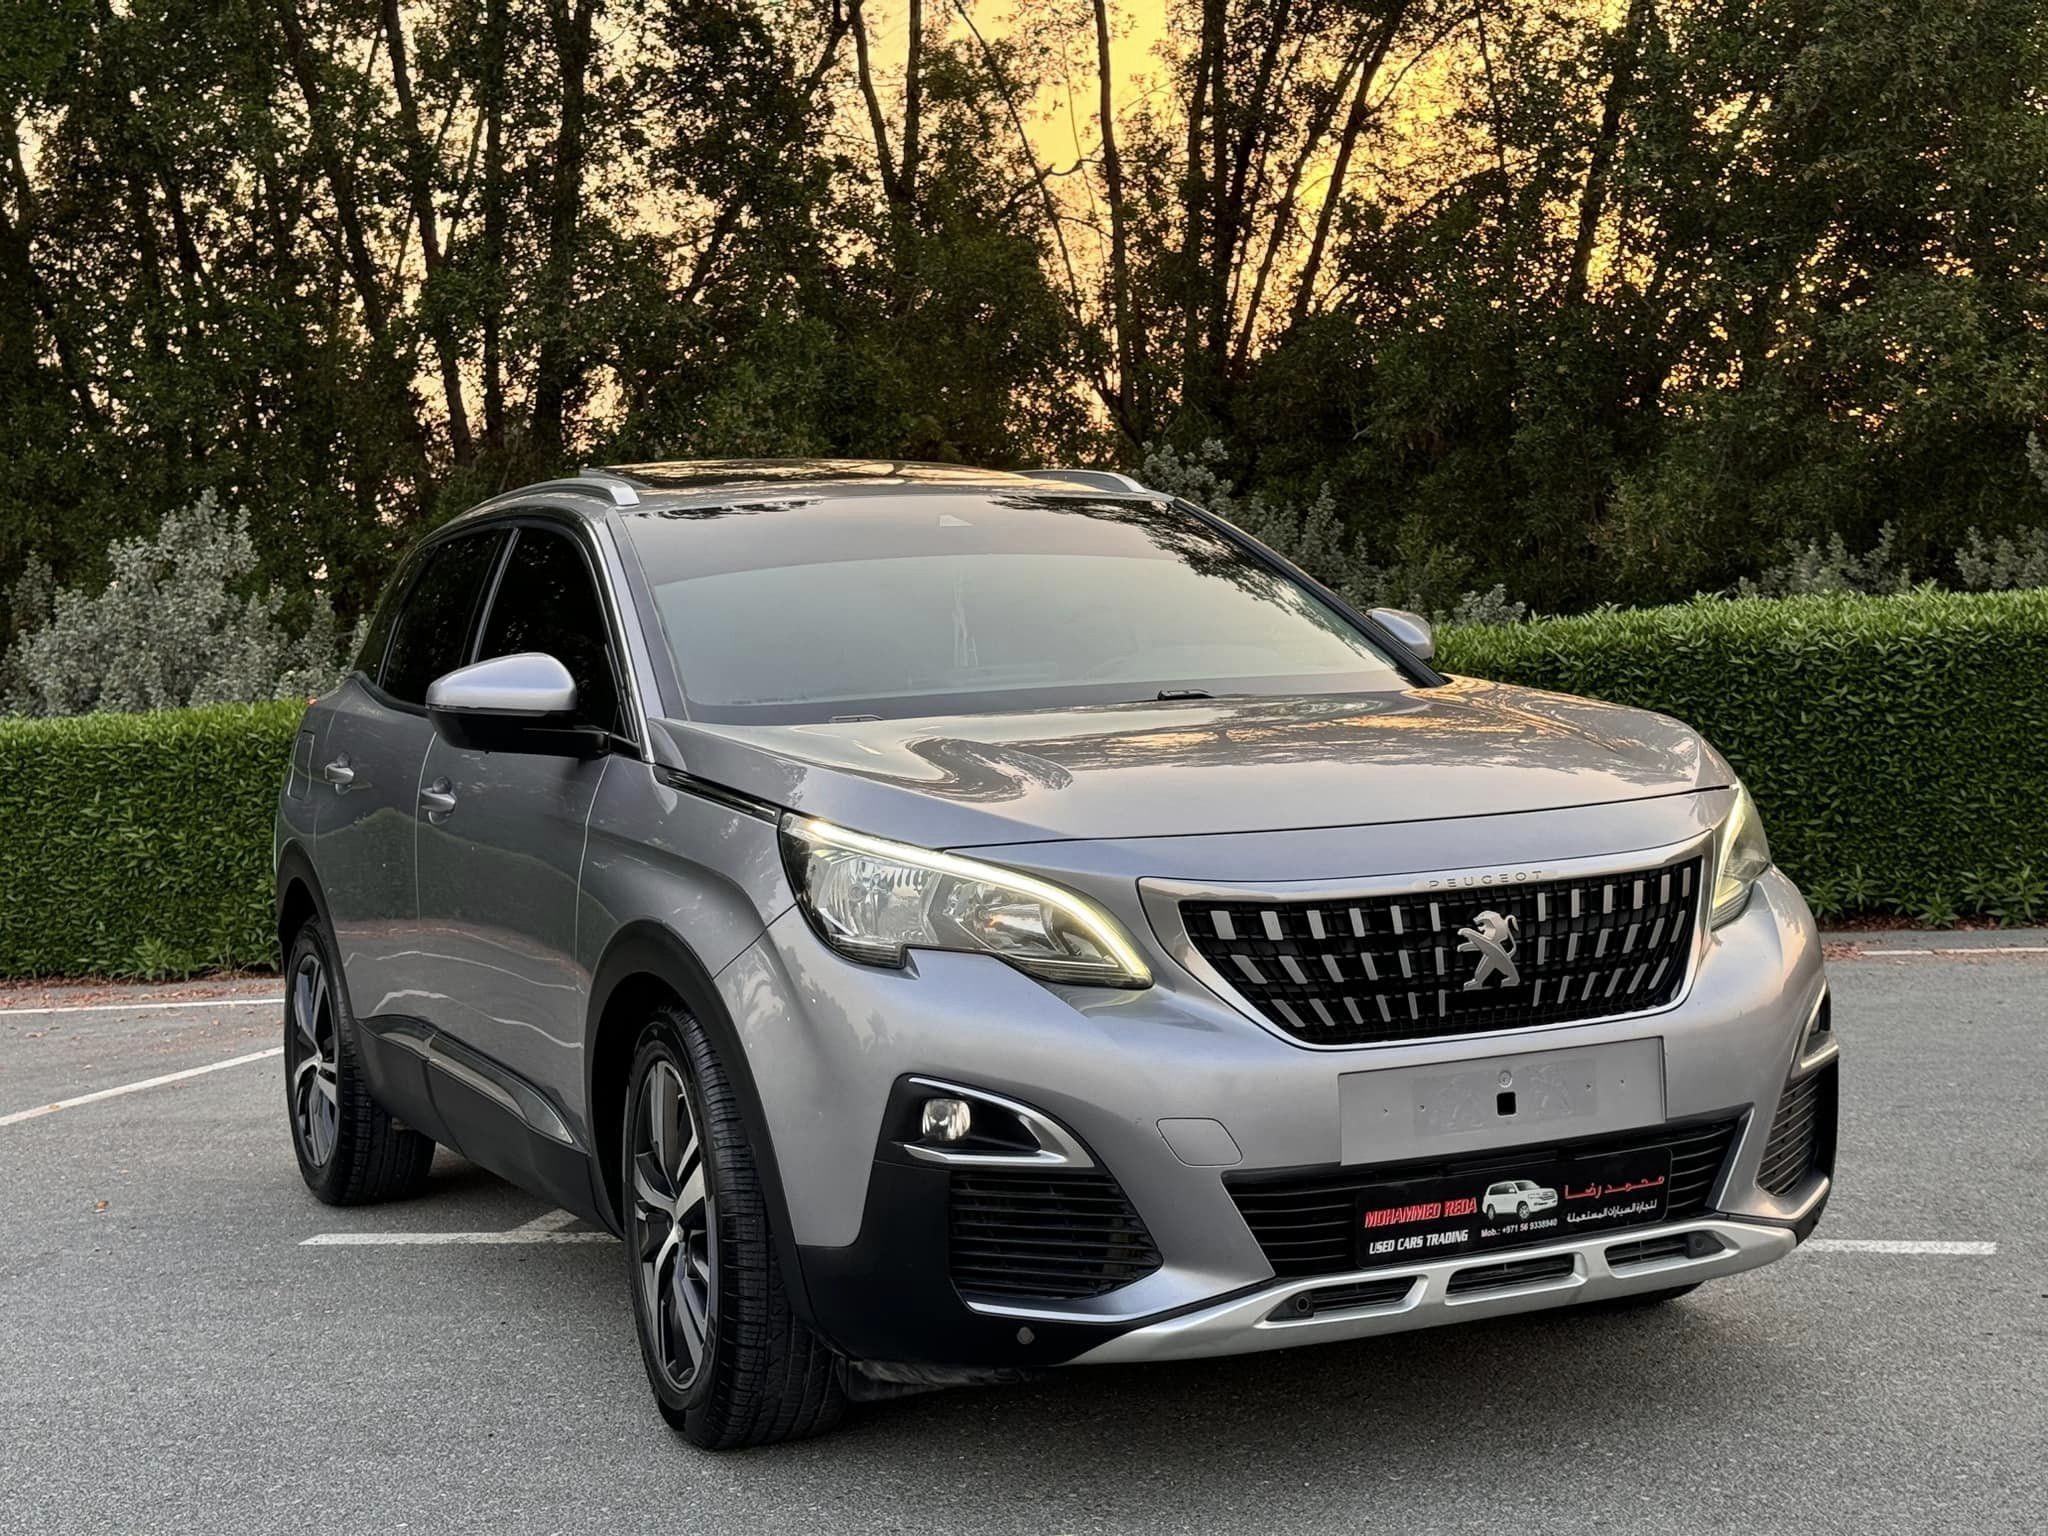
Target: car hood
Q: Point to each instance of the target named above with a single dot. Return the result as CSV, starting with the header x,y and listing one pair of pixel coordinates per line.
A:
x,y
1199,767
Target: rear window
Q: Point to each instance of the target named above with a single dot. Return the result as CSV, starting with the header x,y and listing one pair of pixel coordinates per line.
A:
x,y
925,603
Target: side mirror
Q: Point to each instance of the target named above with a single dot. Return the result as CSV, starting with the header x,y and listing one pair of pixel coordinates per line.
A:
x,y
1411,629
520,703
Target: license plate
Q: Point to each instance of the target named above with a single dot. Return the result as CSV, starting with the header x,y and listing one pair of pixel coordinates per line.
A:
x,y
1543,1199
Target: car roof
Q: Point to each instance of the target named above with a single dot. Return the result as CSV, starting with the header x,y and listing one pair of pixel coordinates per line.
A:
x,y
598,492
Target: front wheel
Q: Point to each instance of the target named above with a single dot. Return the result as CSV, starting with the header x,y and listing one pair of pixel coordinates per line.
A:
x,y
730,1363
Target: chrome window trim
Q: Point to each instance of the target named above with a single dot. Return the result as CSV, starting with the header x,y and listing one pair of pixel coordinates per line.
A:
x,y
1162,900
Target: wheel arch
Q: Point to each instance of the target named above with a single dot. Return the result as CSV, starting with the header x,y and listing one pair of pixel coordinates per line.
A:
x,y
646,964
298,896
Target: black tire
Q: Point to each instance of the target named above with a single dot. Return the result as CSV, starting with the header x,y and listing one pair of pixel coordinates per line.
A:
x,y
1522,1211
350,1151
757,1374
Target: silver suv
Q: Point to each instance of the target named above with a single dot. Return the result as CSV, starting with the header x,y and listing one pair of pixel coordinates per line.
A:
x,y
952,923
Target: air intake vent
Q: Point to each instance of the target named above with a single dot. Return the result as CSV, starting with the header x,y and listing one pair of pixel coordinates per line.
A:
x,y
1495,1277
1305,1221
1650,1250
1370,969
1057,1235
1802,1133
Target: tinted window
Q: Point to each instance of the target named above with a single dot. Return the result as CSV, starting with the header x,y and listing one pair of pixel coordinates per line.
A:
x,y
431,636
546,601
928,603
370,656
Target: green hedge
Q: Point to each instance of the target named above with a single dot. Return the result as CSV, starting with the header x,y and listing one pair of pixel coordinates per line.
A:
x,y
140,845
1897,746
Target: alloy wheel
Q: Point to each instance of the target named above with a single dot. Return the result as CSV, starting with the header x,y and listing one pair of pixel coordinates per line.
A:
x,y
677,1261
310,1061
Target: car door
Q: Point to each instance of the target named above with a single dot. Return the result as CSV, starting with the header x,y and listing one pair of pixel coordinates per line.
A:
x,y
501,842
370,756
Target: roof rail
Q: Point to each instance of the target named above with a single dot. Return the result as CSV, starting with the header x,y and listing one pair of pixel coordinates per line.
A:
x,y
1094,479
620,489
619,493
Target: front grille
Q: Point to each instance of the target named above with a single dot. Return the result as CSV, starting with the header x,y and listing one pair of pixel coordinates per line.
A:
x,y
1492,1277
1305,1222
1802,1132
1057,1235
1355,971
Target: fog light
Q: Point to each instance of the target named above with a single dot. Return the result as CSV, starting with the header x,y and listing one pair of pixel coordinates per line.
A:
x,y
946,1119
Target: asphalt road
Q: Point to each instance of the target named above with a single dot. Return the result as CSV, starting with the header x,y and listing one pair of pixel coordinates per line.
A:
x,y
175,1357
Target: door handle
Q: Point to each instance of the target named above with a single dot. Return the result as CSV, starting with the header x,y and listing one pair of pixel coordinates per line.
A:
x,y
437,799
338,773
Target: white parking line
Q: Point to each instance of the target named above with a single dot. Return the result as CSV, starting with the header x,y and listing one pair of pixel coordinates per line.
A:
x,y
553,1221
518,1237
149,1082
1866,952
149,1007
1881,1245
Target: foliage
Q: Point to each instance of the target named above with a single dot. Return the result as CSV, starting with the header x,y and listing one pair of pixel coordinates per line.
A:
x,y
1893,743
1819,570
1315,538
139,845
1581,302
168,630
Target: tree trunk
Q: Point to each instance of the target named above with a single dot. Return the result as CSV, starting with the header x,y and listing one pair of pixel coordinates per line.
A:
x,y
1354,125
1130,337
496,41
24,296
1196,194
341,180
1283,214
555,365
735,207
1620,86
420,192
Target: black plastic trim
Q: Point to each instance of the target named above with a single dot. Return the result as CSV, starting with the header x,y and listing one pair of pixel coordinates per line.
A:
x,y
488,1113
731,799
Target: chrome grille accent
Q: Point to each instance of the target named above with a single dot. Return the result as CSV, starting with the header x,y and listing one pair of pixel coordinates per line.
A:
x,y
1368,969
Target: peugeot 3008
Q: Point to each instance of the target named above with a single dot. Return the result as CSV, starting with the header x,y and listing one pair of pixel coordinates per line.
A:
x,y
954,923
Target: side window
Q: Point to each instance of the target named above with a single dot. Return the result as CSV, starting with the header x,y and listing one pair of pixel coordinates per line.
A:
x,y
371,655
431,634
546,601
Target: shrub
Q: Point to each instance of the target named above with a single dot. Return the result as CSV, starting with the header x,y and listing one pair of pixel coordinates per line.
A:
x,y
170,628
1895,745
140,845
1314,537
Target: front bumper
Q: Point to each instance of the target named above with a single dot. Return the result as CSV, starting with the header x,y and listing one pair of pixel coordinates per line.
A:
x,y
1459,1290
832,1041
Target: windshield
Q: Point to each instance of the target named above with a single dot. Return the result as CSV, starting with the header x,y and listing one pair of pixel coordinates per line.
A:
x,y
922,603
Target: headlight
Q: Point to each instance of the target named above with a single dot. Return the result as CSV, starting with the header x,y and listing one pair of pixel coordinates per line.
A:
x,y
1741,855
873,900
